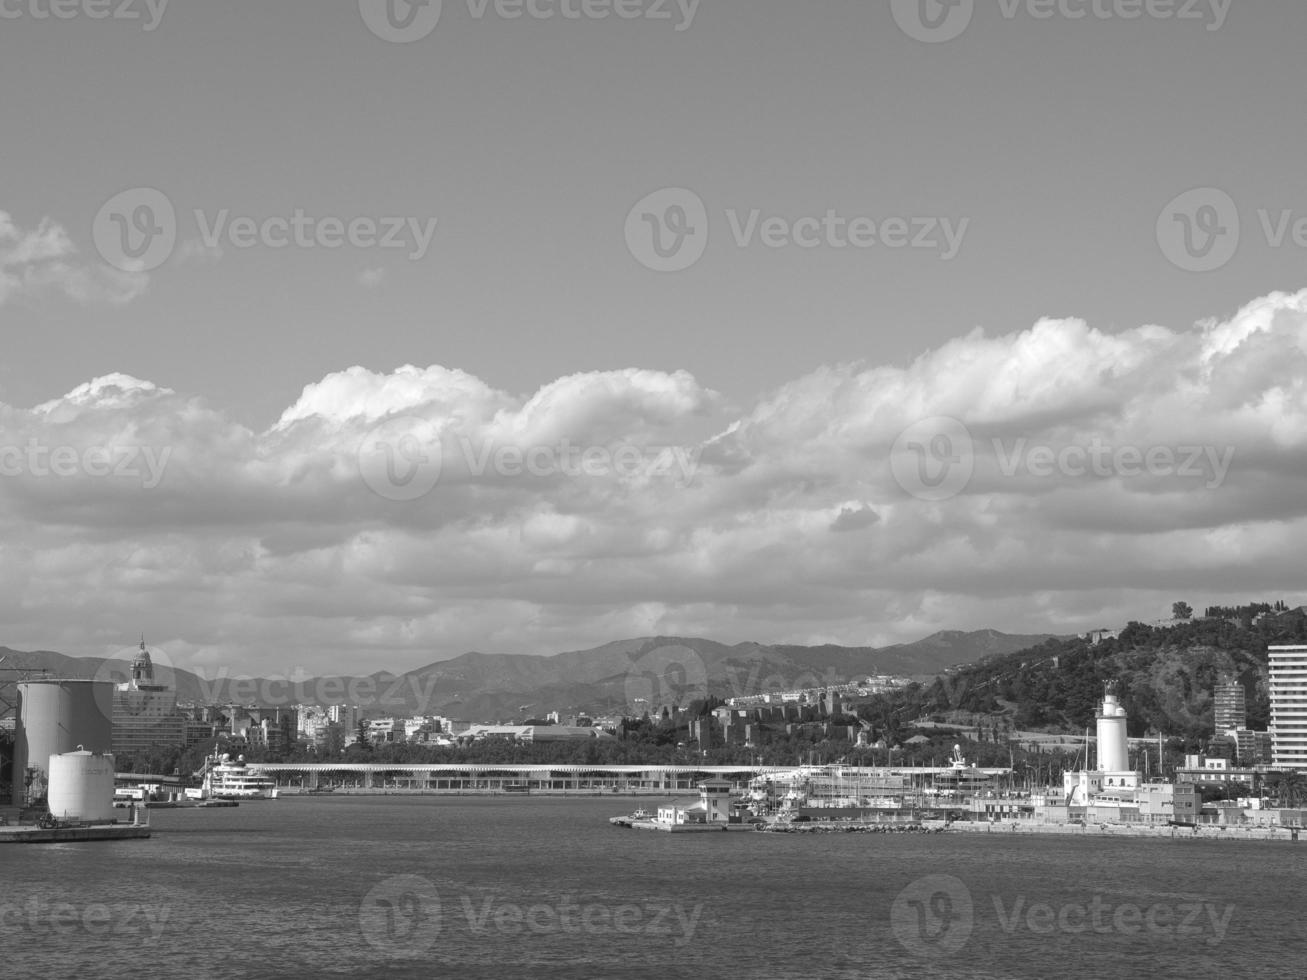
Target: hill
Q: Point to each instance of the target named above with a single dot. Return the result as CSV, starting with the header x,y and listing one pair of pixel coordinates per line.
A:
x,y
1165,677
605,679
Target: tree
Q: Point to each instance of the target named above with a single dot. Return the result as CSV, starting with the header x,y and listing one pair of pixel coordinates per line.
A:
x,y
1182,610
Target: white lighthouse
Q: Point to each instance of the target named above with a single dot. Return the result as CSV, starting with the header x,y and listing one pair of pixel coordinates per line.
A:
x,y
1112,756
1113,774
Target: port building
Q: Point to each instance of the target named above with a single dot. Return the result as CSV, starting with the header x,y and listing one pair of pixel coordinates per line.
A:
x,y
145,710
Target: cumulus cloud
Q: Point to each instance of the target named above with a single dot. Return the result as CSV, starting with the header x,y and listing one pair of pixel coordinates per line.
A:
x,y
37,261
1051,478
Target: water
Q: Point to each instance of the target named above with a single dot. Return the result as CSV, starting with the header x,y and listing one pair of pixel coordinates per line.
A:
x,y
495,888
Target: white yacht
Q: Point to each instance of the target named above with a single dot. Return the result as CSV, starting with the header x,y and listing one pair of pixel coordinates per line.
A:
x,y
225,779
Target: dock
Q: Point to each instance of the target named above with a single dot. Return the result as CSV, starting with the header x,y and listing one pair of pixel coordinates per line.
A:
x,y
31,834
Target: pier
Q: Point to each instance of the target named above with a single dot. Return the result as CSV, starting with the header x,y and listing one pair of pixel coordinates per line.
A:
x,y
31,834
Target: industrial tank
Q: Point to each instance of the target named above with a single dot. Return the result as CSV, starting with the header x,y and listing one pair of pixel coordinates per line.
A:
x,y
81,787
55,717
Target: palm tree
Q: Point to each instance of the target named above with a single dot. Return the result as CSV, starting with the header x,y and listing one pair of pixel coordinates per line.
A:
x,y
1290,788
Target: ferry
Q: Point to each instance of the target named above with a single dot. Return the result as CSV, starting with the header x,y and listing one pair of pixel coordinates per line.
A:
x,y
225,779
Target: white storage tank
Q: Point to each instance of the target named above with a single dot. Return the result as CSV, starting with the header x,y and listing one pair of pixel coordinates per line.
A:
x,y
81,787
57,716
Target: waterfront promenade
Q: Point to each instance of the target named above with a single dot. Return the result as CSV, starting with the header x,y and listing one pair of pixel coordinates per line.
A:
x,y
563,780
543,780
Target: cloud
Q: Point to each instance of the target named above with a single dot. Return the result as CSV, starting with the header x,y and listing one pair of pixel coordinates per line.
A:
x,y
637,501
854,517
42,260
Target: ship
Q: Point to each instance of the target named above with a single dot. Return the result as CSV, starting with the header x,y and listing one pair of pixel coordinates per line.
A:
x,y
223,778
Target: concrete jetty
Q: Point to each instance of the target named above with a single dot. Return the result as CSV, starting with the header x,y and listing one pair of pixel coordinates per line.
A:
x,y
31,834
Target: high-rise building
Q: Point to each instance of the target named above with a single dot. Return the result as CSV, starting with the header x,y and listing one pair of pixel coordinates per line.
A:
x,y
1289,706
145,712
1231,709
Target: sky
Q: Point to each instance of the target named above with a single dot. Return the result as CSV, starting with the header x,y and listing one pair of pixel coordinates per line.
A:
x,y
343,335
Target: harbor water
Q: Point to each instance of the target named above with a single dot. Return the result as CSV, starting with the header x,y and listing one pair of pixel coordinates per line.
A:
x,y
526,887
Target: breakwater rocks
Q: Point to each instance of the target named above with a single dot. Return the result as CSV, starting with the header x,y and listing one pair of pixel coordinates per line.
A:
x,y
848,828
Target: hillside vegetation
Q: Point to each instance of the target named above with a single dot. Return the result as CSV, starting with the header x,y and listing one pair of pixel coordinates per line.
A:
x,y
1164,676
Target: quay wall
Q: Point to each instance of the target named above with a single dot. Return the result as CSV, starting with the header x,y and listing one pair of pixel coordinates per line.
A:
x,y
1204,832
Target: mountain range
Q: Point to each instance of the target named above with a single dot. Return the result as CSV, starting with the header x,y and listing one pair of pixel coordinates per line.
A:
x,y
622,676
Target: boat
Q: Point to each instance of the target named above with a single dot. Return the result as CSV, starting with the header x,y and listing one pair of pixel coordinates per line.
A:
x,y
223,778
639,816
961,776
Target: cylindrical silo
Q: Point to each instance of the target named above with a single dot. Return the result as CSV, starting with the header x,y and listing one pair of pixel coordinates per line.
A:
x,y
55,717
81,787
1112,756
